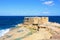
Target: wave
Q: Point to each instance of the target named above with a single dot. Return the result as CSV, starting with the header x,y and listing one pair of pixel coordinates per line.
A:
x,y
3,31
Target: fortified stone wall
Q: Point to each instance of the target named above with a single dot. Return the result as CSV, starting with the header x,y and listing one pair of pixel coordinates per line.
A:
x,y
35,20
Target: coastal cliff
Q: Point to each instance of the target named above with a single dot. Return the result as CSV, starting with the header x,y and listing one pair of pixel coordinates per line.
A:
x,y
34,28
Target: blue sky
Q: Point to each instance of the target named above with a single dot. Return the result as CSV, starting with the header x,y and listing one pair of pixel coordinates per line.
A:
x,y
29,7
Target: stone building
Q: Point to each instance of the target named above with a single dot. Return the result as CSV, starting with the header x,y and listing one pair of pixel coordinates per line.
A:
x,y
35,20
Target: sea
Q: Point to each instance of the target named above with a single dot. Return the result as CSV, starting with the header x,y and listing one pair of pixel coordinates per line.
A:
x,y
11,21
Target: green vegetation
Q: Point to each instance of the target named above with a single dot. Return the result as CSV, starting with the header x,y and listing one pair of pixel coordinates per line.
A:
x,y
17,39
24,36
20,31
33,30
8,36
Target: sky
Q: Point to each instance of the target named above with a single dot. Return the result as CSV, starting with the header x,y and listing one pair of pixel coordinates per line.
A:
x,y
29,7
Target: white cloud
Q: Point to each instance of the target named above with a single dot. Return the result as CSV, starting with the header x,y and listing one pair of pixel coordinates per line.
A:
x,y
4,31
50,3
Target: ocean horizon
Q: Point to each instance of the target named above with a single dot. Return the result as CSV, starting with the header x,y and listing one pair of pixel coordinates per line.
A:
x,y
11,21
